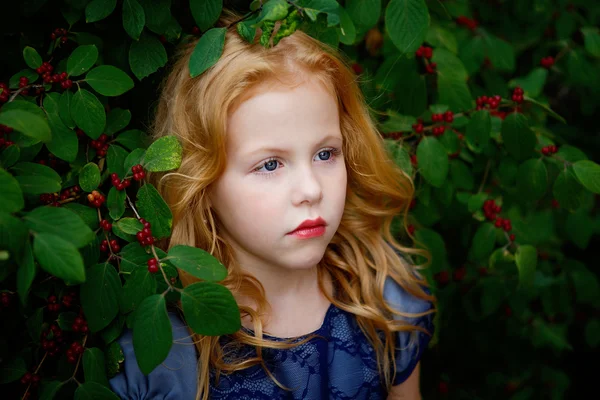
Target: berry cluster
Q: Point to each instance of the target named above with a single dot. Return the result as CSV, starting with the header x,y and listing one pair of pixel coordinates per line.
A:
x,y
119,184
34,379
418,127
80,325
52,161
73,351
426,53
5,130
549,150
448,117
51,338
53,305
138,172
60,32
490,209
72,191
468,22
24,81
5,300
96,199
107,226
492,101
114,246
100,145
50,198
68,299
5,92
517,95
144,236
547,62
153,265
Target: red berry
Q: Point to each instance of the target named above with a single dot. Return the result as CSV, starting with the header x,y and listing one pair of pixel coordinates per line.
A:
x,y
512,237
195,30
411,229
153,268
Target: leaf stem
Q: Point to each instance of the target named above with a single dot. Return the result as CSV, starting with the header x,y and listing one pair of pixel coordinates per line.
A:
x,y
133,208
485,175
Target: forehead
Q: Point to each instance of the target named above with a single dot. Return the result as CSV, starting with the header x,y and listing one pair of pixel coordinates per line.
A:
x,y
273,114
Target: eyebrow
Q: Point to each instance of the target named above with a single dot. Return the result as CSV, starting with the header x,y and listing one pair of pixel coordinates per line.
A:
x,y
284,151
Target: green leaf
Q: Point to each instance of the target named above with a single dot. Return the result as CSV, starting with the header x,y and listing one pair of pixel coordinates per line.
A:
x,y
36,178
364,13
312,8
526,259
34,324
152,333
48,389
518,138
94,391
461,175
9,156
116,203
532,179
115,158
273,10
114,330
89,177
478,130
109,81
146,56
32,58
197,263
134,158
158,15
130,225
64,143
134,18
99,296
544,107
210,309
12,370
13,235
27,123
11,196
116,120
153,209
134,255
588,173
346,31
133,139
500,53
206,12
97,10
592,333
64,109
59,257
65,320
139,285
207,52
163,155
114,358
591,41
452,81
433,161
13,82
398,123
60,222
570,153
434,243
568,191
407,22
440,37
533,83
82,59
88,113
483,242
89,215
26,273
93,366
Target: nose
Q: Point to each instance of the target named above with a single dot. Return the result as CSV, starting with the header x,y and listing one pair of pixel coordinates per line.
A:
x,y
307,188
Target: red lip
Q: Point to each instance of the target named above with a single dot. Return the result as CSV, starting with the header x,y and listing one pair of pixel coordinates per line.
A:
x,y
310,224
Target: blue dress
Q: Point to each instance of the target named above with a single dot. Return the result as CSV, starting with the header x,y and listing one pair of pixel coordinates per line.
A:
x,y
342,365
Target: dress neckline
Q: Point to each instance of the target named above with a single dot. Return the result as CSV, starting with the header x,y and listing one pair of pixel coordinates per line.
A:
x,y
323,326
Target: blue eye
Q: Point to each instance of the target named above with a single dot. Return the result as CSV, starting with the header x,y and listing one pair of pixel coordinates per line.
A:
x,y
270,165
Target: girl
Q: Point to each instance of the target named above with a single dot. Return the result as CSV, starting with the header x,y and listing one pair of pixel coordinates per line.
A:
x,y
286,181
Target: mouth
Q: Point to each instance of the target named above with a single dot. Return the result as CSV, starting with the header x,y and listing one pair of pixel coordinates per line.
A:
x,y
310,225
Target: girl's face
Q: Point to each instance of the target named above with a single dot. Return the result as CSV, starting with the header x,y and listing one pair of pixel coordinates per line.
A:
x,y
284,166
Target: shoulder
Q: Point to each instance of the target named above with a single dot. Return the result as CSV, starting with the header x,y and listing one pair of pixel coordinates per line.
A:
x,y
175,378
400,299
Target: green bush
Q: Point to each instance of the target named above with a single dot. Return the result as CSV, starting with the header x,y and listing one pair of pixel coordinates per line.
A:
x,y
488,105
